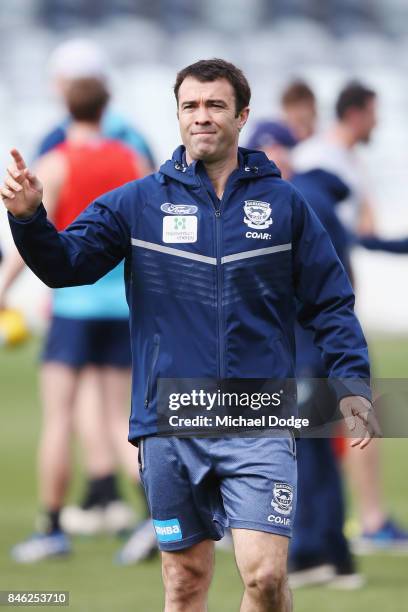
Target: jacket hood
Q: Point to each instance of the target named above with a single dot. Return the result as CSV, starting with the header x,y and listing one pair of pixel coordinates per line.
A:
x,y
252,164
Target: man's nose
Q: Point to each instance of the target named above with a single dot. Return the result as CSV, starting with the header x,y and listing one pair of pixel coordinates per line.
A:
x,y
202,115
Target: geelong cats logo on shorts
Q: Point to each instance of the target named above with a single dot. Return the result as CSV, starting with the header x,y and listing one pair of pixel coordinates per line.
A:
x,y
282,498
257,214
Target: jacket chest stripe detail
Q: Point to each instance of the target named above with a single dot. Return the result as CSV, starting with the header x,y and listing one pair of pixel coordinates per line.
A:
x,y
152,246
170,251
279,248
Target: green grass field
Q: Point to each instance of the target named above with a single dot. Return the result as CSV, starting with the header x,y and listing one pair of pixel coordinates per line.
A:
x,y
97,585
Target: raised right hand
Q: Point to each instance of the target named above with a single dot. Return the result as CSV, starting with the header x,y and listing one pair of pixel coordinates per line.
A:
x,y
21,191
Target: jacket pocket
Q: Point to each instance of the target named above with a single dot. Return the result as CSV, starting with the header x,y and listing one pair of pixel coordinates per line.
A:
x,y
150,376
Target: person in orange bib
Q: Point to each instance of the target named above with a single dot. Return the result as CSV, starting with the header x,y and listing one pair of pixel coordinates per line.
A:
x,y
86,357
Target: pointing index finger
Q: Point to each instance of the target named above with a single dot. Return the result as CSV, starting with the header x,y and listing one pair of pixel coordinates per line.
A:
x,y
18,158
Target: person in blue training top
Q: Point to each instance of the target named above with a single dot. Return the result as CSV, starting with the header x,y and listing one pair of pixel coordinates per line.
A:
x,y
217,249
319,551
319,540
80,58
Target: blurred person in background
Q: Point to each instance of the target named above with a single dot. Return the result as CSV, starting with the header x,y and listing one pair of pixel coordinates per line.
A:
x,y
299,112
297,121
319,551
86,357
335,152
277,142
78,58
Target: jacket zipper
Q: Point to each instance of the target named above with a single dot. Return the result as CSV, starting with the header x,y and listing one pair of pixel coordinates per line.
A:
x,y
220,280
220,322
220,317
218,246
155,356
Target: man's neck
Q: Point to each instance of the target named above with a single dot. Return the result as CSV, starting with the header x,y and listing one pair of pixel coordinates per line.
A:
x,y
342,135
83,131
219,171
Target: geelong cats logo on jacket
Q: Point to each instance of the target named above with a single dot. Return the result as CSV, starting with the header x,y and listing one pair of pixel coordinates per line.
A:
x,y
257,214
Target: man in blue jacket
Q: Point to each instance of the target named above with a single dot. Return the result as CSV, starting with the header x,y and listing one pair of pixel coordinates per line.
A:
x,y
218,249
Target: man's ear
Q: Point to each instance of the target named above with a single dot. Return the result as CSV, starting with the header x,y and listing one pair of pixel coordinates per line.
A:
x,y
243,117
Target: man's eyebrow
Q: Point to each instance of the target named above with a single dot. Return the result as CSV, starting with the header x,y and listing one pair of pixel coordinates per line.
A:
x,y
216,101
209,101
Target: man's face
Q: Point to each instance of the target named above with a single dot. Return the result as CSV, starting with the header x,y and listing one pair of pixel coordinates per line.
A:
x,y
209,126
301,118
281,156
365,120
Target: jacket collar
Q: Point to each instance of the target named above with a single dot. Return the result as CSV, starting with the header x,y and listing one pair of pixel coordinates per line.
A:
x,y
252,165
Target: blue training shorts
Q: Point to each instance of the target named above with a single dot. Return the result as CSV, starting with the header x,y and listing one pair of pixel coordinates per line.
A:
x,y
195,487
81,342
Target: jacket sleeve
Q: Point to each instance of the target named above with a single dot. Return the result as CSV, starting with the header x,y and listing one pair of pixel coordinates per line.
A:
x,y
81,254
375,243
326,304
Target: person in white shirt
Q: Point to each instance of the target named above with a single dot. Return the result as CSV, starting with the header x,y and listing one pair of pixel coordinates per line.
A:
x,y
335,152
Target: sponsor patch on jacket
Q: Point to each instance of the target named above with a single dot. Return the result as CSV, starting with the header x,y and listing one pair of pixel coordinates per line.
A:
x,y
179,229
179,209
168,531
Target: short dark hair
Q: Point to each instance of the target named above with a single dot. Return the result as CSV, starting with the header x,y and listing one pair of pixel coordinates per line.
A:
x,y
86,99
297,91
213,69
353,95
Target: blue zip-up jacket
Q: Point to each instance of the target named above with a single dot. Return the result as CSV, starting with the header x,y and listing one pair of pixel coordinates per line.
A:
x,y
211,286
